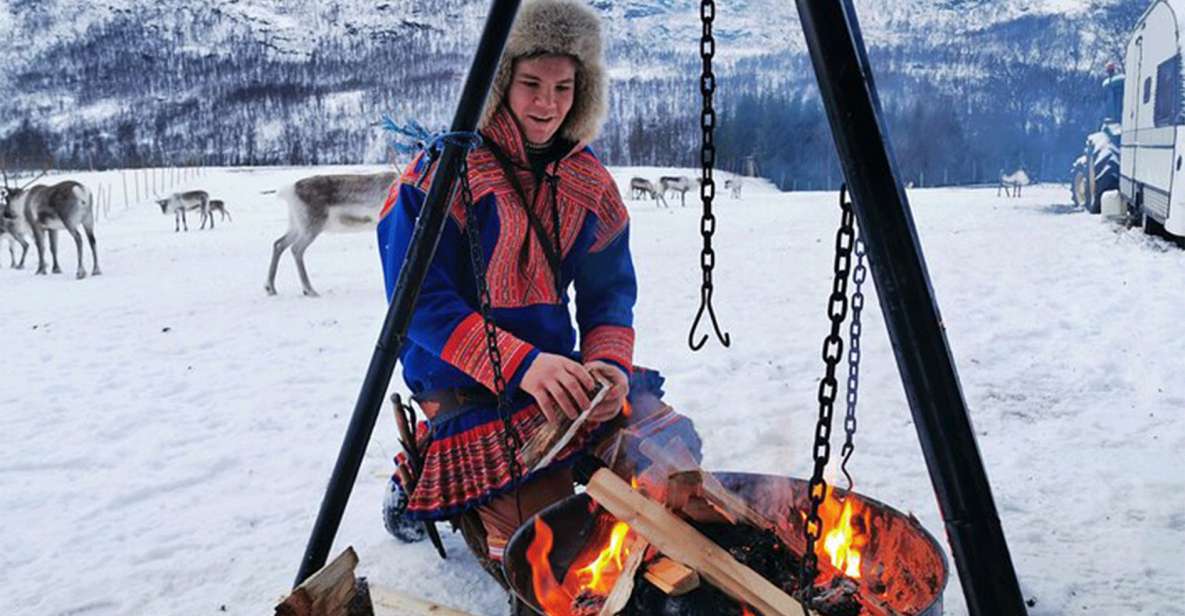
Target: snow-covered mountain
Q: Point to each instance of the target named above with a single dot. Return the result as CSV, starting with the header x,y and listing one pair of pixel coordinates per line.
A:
x,y
234,81
295,26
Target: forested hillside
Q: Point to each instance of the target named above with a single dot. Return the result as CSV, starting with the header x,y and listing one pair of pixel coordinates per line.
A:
x,y
969,87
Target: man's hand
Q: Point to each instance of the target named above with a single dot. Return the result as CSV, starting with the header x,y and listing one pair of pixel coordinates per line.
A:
x,y
559,385
619,388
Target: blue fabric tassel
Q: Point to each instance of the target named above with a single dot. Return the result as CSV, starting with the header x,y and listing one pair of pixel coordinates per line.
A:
x,y
423,139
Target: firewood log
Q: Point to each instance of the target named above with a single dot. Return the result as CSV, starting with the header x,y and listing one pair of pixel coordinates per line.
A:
x,y
327,592
679,540
675,456
388,602
671,577
685,496
550,440
619,595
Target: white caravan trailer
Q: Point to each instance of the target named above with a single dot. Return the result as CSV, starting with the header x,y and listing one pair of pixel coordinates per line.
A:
x,y
1151,178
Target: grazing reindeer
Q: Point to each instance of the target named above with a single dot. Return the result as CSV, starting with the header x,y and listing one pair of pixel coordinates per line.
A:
x,y
734,186
216,205
178,203
48,209
333,203
680,184
641,187
1012,183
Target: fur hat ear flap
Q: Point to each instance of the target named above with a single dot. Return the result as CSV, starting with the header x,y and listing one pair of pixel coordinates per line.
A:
x,y
561,27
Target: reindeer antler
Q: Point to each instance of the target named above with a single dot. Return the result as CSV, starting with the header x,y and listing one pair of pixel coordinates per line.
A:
x,y
46,170
30,182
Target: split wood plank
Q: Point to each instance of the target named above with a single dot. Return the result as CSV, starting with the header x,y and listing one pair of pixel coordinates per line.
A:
x,y
675,456
623,588
671,577
327,592
389,602
682,542
551,439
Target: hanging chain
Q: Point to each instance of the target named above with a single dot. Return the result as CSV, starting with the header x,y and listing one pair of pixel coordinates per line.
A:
x,y
859,275
837,308
707,189
511,440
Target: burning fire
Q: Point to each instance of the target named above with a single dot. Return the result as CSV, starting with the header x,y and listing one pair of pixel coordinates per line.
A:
x,y
593,576
848,526
594,571
552,597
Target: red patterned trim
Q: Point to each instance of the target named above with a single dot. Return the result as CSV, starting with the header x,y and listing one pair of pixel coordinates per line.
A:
x,y
612,216
585,187
466,349
411,176
609,342
413,172
503,129
468,469
392,197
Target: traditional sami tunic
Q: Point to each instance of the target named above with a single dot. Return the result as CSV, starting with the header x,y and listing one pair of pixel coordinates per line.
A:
x,y
466,463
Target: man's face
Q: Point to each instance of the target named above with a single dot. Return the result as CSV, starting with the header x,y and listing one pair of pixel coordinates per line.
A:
x,y
541,94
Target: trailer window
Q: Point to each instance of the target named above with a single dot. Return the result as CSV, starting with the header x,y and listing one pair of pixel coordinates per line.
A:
x,y
1168,92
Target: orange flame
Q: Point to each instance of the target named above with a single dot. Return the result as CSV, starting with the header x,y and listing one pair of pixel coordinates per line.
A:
x,y
594,577
552,597
595,570
842,544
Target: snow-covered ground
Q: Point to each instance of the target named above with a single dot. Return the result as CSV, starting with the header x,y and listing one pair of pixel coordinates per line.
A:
x,y
167,429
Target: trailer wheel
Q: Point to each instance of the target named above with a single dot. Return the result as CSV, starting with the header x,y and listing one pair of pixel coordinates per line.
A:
x,y
1152,226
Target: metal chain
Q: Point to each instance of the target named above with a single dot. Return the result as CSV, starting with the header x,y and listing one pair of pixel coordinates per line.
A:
x,y
837,308
511,440
707,189
859,275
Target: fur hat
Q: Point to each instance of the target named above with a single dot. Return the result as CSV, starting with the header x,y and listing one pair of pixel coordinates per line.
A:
x,y
565,27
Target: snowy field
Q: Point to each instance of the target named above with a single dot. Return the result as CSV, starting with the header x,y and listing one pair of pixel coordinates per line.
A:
x,y
167,429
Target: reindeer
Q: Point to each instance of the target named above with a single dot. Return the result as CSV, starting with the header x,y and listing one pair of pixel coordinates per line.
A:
x,y
1012,182
216,205
641,187
680,184
46,210
11,229
10,234
734,186
332,203
178,203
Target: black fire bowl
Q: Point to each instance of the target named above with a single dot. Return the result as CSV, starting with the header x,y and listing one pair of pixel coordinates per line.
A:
x,y
903,568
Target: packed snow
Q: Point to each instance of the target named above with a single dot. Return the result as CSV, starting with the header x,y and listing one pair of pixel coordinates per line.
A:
x,y
167,429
